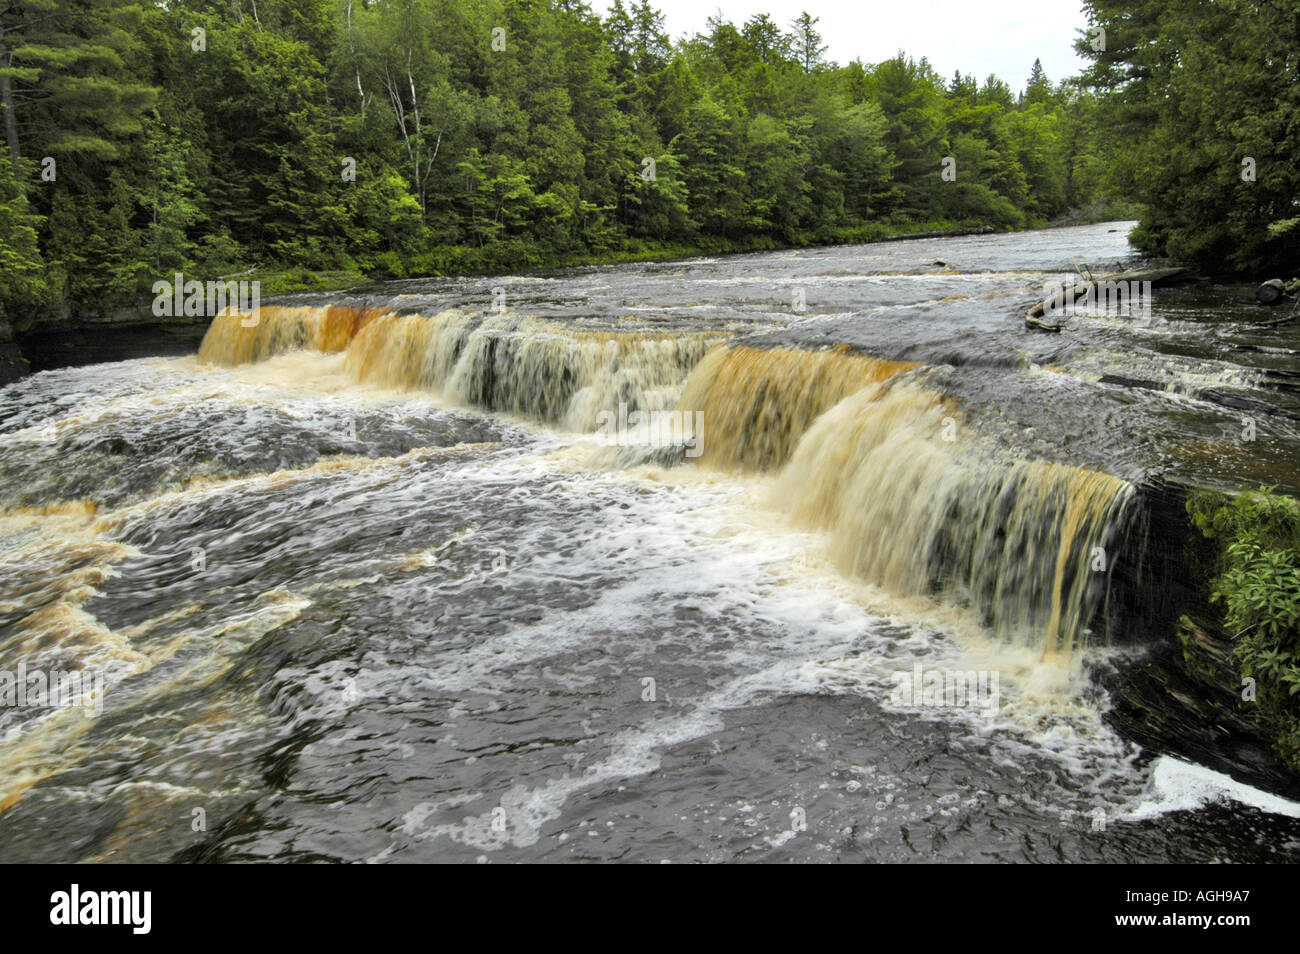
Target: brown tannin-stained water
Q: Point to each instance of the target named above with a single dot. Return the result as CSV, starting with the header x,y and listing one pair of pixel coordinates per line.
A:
x,y
647,565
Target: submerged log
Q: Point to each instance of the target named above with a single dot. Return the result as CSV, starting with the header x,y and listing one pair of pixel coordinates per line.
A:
x,y
1039,319
1047,315
1050,313
1271,292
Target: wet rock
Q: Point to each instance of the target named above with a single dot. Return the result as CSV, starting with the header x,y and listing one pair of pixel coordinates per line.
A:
x,y
12,363
62,346
1270,292
1177,688
1183,696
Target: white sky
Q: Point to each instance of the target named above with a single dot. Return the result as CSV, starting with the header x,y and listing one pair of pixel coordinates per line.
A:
x,y
974,36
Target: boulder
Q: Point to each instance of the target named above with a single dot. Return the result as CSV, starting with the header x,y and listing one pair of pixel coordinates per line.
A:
x,y
1271,292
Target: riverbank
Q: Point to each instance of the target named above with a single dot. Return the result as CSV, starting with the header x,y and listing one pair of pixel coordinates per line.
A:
x,y
1210,682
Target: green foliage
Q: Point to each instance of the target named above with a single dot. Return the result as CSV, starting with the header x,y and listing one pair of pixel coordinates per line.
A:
x,y
660,206
72,65
483,134
1191,91
1257,582
22,280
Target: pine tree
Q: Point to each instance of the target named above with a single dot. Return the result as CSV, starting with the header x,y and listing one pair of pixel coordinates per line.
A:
x,y
69,89
1203,127
22,268
1039,87
807,42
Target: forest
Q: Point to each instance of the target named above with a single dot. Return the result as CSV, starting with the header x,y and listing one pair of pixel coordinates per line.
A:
x,y
327,141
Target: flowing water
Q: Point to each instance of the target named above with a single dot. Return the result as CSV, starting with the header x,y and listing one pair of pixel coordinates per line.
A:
x,y
645,563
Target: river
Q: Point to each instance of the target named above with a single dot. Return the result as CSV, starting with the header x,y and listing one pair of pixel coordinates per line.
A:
x,y
397,575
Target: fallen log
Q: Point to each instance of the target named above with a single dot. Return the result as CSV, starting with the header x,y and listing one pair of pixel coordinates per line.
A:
x,y
1158,277
1050,313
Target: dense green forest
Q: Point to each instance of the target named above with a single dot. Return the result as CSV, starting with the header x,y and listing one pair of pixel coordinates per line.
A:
x,y
1202,105
409,137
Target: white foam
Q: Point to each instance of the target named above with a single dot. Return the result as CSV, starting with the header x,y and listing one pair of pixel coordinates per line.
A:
x,y
1178,786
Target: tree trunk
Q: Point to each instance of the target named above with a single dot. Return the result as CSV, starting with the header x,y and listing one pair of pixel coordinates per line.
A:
x,y
11,121
356,63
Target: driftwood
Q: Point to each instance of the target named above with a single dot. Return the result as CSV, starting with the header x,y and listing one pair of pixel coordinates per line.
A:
x,y
1295,313
1048,314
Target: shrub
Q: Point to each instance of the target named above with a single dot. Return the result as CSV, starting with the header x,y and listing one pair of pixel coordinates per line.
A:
x,y
1257,583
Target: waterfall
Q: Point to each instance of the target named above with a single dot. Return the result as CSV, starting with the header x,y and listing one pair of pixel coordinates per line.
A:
x,y
911,497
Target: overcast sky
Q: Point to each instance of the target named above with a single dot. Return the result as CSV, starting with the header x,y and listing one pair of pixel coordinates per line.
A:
x,y
974,36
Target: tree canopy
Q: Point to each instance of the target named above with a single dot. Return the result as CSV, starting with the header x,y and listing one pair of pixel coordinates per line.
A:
x,y
1201,104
